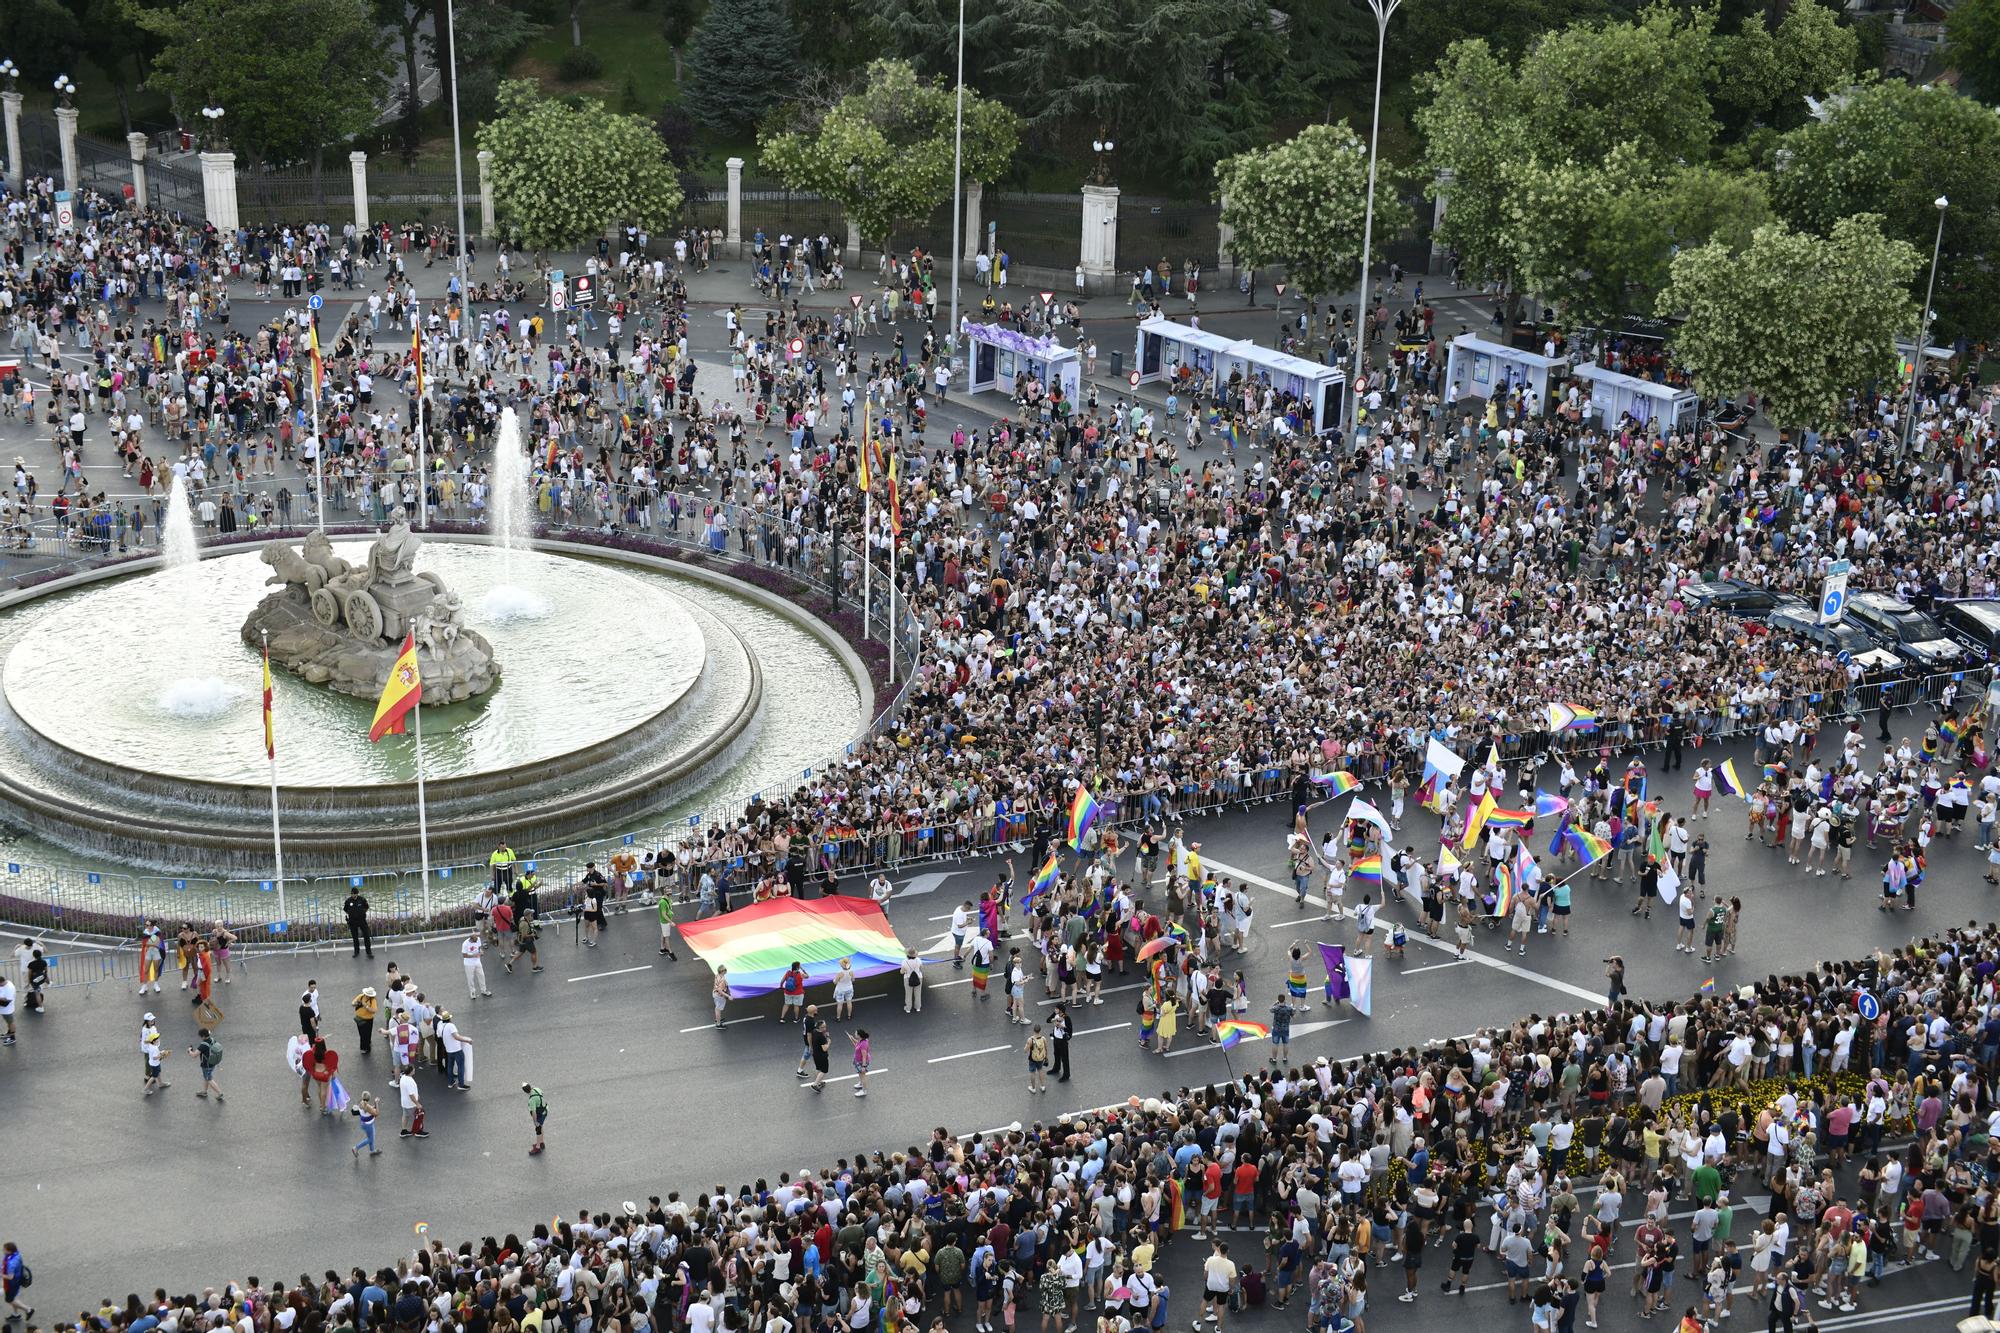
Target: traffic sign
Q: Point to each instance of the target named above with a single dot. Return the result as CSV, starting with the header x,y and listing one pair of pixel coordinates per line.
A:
x,y
315,301
1833,592
1867,1006
1134,377
585,289
65,211
855,300
1048,297
796,348
1278,287
558,296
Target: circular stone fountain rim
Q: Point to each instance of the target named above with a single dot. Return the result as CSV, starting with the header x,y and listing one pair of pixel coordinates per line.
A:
x,y
835,642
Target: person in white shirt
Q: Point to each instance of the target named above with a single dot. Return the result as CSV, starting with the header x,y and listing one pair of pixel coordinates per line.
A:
x,y
473,951
455,1044
413,1106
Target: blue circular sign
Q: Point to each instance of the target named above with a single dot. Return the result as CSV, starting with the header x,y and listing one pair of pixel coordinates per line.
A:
x,y
1868,1006
1829,605
315,302
1843,657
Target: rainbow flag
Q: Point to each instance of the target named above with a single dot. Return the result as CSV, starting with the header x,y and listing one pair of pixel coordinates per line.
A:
x,y
1232,1031
1337,783
1501,817
1083,812
1045,879
1582,719
1504,889
1367,868
1950,730
1728,782
758,943
1588,846
1708,987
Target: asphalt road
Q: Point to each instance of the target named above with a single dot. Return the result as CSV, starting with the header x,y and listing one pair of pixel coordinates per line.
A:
x,y
648,1096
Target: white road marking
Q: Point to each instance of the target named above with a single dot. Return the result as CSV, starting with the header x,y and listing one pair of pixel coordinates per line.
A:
x,y
623,971
710,1027
1109,1027
963,1055
1412,971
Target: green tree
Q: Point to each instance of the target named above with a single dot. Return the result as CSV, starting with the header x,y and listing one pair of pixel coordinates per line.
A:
x,y
293,75
677,26
884,152
1765,75
1972,35
1893,148
1301,203
489,34
116,45
1590,88
1636,232
564,171
42,37
742,61
1473,117
1803,319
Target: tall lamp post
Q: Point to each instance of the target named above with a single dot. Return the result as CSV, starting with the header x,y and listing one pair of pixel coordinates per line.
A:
x,y
213,115
65,91
957,186
1924,327
1383,10
458,171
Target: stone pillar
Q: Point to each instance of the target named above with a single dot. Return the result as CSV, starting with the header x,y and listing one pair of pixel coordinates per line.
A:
x,y
218,190
1444,180
1100,235
733,229
1225,263
357,162
853,255
66,132
975,223
486,227
135,143
10,110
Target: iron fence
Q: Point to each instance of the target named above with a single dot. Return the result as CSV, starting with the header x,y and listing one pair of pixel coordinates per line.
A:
x,y
1175,230
1044,230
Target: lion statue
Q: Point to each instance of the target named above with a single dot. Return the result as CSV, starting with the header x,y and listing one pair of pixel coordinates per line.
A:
x,y
289,567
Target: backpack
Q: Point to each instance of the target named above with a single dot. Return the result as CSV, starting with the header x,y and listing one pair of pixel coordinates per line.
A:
x,y
211,1052
27,1275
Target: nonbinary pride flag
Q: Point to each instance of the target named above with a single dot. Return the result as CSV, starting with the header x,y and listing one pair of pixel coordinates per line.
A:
x,y
403,691
760,942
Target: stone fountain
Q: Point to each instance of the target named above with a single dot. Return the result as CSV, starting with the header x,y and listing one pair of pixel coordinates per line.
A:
x,y
342,626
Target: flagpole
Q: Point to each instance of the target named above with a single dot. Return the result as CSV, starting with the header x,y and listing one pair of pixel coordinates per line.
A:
x,y
418,413
319,441
891,636
271,753
423,824
867,563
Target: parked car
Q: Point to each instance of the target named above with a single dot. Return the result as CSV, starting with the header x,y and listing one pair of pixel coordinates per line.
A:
x,y
1795,615
1911,633
1733,596
1974,623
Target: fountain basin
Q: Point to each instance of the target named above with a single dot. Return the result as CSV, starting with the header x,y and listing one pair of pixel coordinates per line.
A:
x,y
619,699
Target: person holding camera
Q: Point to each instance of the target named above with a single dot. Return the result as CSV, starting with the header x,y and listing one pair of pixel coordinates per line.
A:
x,y
208,1053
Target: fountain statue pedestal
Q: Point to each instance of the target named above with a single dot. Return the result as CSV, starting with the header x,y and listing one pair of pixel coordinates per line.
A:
x,y
335,625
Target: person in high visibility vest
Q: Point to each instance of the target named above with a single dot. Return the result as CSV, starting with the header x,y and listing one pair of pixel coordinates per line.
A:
x,y
501,863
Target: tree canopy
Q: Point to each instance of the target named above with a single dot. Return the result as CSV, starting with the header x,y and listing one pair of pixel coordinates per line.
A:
x,y
884,151
564,171
1301,204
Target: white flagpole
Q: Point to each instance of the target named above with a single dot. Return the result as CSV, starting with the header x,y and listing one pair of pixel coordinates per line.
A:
x,y
277,842
319,441
417,420
423,824
890,637
867,560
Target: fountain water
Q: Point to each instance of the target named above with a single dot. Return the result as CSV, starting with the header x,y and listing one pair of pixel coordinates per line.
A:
x,y
511,520
188,696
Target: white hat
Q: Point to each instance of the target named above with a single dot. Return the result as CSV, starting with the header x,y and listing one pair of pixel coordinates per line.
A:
x,y
147,1019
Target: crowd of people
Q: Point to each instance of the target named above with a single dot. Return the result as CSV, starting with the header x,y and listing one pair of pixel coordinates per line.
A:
x,y
1524,1153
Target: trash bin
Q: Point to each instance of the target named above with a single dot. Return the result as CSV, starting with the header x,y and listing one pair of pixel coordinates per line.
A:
x,y
1118,365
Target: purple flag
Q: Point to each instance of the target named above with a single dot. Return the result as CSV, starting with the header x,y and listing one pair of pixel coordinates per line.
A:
x,y
1335,959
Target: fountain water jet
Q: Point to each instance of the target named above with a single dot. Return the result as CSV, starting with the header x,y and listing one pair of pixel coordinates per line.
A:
x,y
512,522
187,696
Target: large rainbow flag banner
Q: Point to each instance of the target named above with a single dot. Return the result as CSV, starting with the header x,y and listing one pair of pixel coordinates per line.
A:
x,y
758,943
1083,812
1368,868
1338,783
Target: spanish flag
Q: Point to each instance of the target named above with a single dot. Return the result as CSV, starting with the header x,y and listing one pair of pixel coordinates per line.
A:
x,y
270,738
417,356
312,349
404,691
867,440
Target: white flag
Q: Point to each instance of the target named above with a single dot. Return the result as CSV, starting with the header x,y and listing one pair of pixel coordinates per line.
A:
x,y
1360,809
1361,985
1670,884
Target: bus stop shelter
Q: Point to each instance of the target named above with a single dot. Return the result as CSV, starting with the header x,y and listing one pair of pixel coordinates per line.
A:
x,y
1477,368
1614,396
996,354
1165,349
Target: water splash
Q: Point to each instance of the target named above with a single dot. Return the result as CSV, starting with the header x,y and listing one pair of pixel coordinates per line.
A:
x,y
196,697
511,520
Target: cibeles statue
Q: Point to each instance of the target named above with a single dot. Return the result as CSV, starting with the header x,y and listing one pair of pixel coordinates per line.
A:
x,y
341,625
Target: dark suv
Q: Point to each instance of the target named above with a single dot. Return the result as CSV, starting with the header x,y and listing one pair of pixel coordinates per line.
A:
x,y
1914,636
1975,623
1733,596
